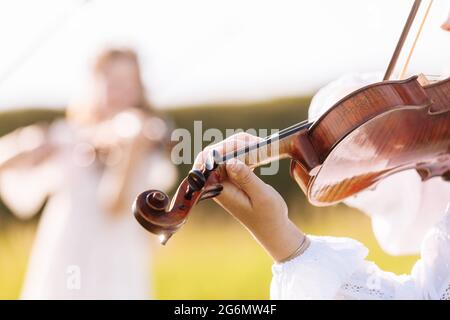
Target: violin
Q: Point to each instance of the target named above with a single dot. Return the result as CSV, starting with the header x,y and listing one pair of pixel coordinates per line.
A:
x,y
370,134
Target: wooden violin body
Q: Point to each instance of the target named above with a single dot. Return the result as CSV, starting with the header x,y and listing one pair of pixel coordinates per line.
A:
x,y
368,135
372,133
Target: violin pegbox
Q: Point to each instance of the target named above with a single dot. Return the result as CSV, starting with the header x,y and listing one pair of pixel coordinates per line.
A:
x,y
197,179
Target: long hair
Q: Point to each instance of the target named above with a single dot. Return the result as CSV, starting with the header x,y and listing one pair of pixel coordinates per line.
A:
x,y
84,113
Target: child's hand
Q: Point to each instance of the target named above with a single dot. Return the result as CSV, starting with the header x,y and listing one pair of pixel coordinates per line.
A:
x,y
254,203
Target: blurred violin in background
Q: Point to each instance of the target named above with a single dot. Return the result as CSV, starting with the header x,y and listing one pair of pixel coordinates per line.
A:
x,y
370,134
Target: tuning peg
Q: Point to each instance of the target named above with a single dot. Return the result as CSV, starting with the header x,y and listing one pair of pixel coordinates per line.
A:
x,y
196,180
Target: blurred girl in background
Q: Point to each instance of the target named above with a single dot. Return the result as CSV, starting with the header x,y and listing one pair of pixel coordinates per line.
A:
x,y
90,167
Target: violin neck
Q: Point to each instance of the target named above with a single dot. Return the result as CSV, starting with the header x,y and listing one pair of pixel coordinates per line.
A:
x,y
272,148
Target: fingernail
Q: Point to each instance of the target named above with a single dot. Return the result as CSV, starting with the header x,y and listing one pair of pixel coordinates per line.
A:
x,y
231,166
232,162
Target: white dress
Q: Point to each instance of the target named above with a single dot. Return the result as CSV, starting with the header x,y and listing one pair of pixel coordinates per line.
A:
x,y
81,251
408,216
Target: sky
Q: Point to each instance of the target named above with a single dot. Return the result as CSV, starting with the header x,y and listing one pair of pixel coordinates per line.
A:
x,y
206,51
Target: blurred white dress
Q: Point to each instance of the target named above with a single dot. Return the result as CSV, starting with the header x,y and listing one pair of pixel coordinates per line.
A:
x,y
81,251
408,216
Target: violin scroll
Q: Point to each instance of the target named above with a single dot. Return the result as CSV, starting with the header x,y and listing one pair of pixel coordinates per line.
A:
x,y
160,216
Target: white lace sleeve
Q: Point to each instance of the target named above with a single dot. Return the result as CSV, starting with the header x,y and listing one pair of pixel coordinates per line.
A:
x,y
320,271
335,268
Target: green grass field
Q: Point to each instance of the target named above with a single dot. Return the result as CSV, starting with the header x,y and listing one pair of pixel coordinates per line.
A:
x,y
210,258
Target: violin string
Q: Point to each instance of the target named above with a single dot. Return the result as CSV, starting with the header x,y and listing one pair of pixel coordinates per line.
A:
x,y
267,140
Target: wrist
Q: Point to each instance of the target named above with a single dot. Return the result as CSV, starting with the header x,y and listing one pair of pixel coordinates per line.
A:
x,y
281,240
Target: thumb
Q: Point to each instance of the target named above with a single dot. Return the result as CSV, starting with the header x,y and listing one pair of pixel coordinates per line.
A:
x,y
244,178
